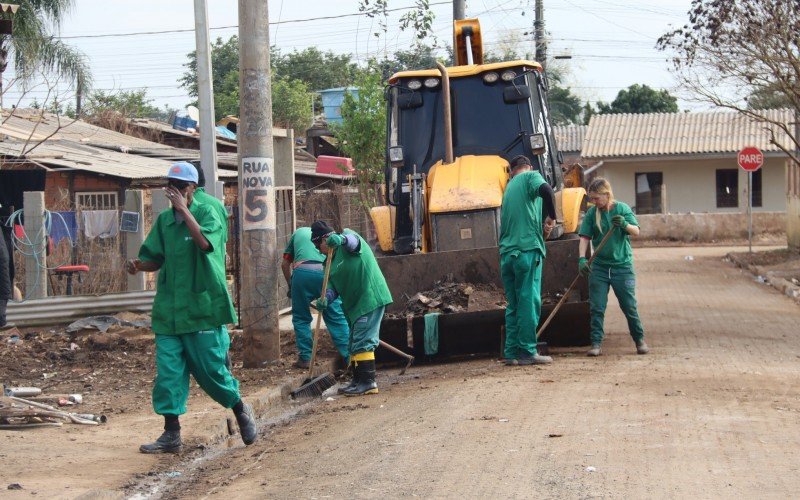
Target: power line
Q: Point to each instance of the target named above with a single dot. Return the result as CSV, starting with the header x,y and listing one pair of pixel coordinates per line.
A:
x,y
288,21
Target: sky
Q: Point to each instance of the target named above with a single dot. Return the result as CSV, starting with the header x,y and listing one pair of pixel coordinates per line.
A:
x,y
143,44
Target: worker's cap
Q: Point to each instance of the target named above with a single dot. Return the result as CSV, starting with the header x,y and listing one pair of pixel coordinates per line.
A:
x,y
182,171
519,161
320,229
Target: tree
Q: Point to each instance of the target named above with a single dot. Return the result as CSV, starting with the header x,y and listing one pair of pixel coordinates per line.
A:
x,y
225,77
362,135
33,46
742,55
129,103
291,98
319,70
640,99
291,104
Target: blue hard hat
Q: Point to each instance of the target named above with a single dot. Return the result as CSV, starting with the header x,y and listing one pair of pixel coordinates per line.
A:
x,y
183,171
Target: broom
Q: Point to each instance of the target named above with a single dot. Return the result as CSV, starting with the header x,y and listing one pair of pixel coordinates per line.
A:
x,y
313,387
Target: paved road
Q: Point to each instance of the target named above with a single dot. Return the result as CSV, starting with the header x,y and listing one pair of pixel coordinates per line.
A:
x,y
712,412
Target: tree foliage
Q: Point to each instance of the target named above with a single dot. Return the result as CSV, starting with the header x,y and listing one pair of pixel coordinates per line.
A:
x,y
291,97
319,70
291,104
362,134
640,99
742,55
129,103
33,46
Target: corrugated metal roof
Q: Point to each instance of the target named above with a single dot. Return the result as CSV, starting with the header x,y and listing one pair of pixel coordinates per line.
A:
x,y
68,154
622,135
31,123
570,137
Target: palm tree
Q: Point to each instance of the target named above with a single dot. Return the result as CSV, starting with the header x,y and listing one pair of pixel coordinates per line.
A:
x,y
34,47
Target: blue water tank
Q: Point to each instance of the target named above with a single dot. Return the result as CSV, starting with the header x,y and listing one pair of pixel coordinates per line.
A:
x,y
332,100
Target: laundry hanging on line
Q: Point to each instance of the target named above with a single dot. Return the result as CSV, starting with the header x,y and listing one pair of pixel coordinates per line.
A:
x,y
100,223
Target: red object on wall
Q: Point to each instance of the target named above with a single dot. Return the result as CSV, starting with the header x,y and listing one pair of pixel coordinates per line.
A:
x,y
335,165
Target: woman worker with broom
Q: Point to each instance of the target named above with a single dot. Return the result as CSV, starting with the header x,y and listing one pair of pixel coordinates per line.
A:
x,y
613,265
357,279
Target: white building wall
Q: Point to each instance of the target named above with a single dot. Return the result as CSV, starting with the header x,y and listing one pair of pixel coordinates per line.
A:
x,y
691,184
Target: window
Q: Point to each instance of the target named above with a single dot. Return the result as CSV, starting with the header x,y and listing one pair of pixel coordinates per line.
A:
x,y
757,188
648,193
728,188
102,200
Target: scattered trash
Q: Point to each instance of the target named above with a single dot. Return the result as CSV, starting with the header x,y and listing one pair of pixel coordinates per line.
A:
x,y
503,420
103,323
591,469
330,399
14,486
761,279
173,474
73,346
19,413
555,435
688,257
14,339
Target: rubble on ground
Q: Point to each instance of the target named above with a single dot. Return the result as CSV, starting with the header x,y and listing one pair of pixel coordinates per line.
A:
x,y
448,296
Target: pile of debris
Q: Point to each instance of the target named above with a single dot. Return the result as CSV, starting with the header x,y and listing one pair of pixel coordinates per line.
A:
x,y
17,412
448,296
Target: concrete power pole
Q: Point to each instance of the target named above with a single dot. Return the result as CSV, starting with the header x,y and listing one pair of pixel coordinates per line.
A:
x,y
459,6
258,256
205,98
538,32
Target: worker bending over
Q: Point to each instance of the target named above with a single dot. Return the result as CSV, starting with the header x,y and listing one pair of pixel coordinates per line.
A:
x,y
357,279
613,265
302,267
528,215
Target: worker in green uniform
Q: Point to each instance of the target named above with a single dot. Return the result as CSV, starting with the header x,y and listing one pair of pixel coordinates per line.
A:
x,y
190,310
357,279
612,267
302,266
527,216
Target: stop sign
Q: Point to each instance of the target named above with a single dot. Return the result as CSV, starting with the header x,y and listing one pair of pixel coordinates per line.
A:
x,y
750,159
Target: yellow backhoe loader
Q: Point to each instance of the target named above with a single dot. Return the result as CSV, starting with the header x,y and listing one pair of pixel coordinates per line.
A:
x,y
450,134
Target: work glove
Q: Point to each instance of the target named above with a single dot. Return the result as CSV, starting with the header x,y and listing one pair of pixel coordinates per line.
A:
x,y
619,221
335,240
583,267
321,304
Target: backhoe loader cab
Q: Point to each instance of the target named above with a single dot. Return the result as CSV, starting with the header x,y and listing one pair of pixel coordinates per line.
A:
x,y
497,111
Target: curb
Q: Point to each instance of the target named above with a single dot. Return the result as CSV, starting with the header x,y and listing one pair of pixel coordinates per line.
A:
x,y
784,286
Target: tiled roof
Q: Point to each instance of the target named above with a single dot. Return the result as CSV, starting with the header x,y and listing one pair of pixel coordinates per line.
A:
x,y
570,137
621,135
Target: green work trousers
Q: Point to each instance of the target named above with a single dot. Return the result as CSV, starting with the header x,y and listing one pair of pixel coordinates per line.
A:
x,y
307,287
201,354
623,281
364,333
522,280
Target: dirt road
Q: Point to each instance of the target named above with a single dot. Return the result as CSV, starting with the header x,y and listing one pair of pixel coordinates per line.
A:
x,y
712,412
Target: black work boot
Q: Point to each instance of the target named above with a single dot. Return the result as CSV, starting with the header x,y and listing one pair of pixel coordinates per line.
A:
x,y
365,376
168,442
246,419
353,382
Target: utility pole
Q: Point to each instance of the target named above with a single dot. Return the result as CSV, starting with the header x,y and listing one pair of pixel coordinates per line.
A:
x,y
459,6
538,33
258,255
205,98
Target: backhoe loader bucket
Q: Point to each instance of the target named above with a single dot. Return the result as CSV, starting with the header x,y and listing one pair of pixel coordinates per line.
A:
x,y
465,333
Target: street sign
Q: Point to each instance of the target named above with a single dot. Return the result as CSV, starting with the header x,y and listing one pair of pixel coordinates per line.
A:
x,y
750,159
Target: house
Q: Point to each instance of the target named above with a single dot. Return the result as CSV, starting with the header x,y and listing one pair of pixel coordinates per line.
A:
x,y
569,139
687,162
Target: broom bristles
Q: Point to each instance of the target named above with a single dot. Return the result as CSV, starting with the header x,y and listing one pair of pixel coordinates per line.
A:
x,y
315,387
